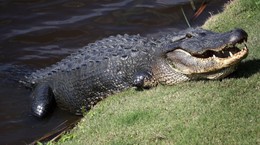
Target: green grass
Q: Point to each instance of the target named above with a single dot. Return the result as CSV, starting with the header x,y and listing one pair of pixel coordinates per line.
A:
x,y
202,112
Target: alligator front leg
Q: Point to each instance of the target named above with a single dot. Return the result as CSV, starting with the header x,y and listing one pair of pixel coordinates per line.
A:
x,y
42,100
144,80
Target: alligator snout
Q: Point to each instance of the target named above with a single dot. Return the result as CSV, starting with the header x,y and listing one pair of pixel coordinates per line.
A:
x,y
238,36
211,56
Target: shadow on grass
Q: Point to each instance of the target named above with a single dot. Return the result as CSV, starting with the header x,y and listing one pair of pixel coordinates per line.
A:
x,y
247,69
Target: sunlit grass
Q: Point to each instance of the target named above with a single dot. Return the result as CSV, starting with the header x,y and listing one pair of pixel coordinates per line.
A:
x,y
202,112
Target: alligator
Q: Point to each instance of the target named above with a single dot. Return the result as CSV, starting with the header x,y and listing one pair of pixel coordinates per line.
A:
x,y
116,63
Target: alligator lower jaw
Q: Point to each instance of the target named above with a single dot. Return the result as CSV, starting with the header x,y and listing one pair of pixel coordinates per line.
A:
x,y
208,62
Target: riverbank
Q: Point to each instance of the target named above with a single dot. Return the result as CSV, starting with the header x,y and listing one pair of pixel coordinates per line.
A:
x,y
201,112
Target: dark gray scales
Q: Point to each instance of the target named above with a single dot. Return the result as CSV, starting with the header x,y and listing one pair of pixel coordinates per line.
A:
x,y
95,71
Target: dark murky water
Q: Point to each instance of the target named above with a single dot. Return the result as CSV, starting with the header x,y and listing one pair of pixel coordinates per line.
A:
x,y
38,33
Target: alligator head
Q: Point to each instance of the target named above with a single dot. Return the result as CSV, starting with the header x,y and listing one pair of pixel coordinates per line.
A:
x,y
201,53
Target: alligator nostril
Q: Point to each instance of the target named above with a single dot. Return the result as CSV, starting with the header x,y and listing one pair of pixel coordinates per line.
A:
x,y
238,36
242,32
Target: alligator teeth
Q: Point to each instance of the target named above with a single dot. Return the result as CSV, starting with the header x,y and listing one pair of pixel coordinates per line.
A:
x,y
230,53
214,56
245,45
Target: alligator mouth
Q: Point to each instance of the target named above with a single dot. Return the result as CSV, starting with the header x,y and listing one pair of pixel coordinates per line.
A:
x,y
209,61
227,51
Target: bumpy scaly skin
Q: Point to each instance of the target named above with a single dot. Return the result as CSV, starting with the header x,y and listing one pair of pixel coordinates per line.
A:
x,y
99,69
113,64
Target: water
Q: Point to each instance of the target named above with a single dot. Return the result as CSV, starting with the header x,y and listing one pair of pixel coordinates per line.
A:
x,y
38,33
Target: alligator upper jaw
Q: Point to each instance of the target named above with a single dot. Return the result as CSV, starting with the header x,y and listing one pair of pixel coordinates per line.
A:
x,y
208,62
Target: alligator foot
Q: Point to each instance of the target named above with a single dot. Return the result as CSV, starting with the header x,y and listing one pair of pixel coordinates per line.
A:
x,y
42,100
143,80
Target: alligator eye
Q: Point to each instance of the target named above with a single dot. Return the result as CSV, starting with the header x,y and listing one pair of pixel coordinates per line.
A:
x,y
188,35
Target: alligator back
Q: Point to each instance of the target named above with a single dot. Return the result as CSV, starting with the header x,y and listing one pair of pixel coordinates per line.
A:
x,y
95,71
